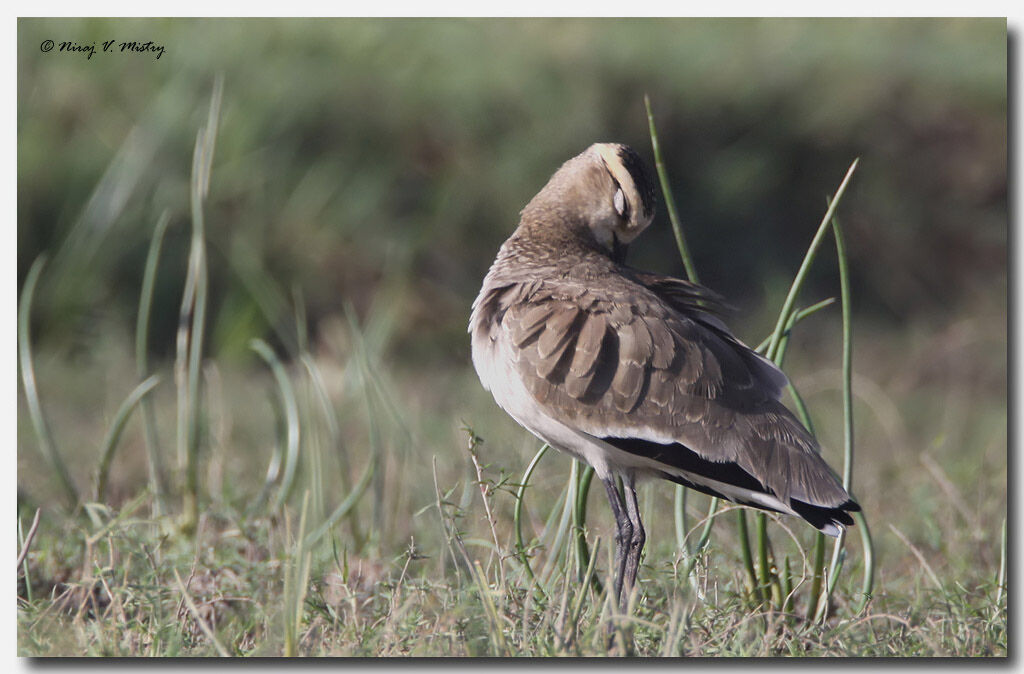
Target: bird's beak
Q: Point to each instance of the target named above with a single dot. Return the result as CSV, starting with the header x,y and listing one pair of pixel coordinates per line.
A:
x,y
619,250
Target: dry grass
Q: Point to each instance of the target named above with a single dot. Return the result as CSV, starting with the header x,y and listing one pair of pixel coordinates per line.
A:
x,y
398,578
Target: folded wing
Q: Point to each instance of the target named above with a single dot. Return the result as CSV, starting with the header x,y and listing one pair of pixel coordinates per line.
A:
x,y
644,366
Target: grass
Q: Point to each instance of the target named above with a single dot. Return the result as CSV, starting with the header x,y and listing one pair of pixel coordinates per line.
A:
x,y
121,597
333,503
412,592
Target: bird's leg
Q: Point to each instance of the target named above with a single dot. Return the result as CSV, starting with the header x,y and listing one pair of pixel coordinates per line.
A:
x,y
636,541
623,533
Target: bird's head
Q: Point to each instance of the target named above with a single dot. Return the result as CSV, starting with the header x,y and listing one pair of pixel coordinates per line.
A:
x,y
607,189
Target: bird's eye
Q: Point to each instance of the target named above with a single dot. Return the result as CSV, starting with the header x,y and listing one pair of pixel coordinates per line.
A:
x,y
620,202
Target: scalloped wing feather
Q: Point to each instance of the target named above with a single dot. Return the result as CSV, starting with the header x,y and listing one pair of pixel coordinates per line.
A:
x,y
590,359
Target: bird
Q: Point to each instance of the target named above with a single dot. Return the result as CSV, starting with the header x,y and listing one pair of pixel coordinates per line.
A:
x,y
634,372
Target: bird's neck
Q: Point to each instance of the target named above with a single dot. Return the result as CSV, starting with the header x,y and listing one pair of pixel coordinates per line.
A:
x,y
547,235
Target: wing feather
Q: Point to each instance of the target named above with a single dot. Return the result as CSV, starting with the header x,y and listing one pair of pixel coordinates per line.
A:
x,y
588,345
664,347
532,322
629,374
618,360
557,331
584,362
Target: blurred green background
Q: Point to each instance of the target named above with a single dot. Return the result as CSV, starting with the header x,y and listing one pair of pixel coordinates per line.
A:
x,y
360,154
379,164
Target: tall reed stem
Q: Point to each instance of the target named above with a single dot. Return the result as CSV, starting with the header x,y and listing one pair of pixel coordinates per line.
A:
x,y
193,316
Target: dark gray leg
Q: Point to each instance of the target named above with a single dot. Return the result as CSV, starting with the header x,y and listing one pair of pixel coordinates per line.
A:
x,y
623,534
636,541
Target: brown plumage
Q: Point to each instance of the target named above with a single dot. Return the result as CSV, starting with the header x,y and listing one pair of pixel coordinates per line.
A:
x,y
633,371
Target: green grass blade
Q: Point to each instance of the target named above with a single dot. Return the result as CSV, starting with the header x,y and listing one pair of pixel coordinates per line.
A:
x,y
376,397
114,433
869,560
99,226
334,439
572,500
847,311
801,275
670,202
190,395
208,137
517,517
844,284
146,295
301,333
198,617
679,519
816,599
801,408
181,367
486,598
326,409
193,314
775,351
836,567
346,506
291,410
747,556
798,316
589,578
555,551
579,519
705,536
157,473
769,580
1001,575
787,587
296,583
116,518
28,381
